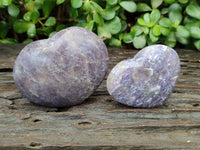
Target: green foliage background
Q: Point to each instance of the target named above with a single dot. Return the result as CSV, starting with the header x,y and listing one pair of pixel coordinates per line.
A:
x,y
134,23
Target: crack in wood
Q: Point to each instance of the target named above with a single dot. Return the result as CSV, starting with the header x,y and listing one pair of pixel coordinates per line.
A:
x,y
35,145
6,70
37,120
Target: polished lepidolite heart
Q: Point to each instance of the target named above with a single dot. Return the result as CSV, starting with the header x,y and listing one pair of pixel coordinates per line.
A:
x,y
147,80
63,70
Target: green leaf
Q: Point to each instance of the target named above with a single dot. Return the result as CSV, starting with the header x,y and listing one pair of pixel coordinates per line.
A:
x,y
155,16
1,6
38,4
97,18
128,37
60,27
146,18
146,30
124,25
20,26
175,16
30,6
35,5
27,41
170,40
89,17
121,36
9,41
129,6
123,16
193,11
164,30
109,14
96,7
152,37
47,7
31,30
156,30
139,41
110,27
89,25
165,22
183,1
194,2
52,33
169,1
3,29
175,7
11,20
111,2
103,33
27,16
141,22
156,3
34,16
115,42
58,2
76,3
194,29
188,20
137,29
182,35
142,7
197,44
73,13
51,21
13,10
45,31
113,26
5,2
81,22
182,40
182,31
115,8
164,11
87,5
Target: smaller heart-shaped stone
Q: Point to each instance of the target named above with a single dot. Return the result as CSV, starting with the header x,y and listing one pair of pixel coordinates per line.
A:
x,y
147,80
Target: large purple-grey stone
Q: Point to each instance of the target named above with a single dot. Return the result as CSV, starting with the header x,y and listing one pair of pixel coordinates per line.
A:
x,y
63,70
147,80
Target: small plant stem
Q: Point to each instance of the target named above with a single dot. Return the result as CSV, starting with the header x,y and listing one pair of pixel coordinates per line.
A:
x,y
42,24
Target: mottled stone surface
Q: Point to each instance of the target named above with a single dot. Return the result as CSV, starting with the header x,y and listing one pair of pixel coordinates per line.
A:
x,y
63,70
147,80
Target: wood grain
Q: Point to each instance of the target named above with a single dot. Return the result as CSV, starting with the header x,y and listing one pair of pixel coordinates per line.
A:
x,y
100,122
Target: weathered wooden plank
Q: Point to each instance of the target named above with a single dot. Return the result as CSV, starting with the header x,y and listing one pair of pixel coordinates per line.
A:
x,y
100,122
8,53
